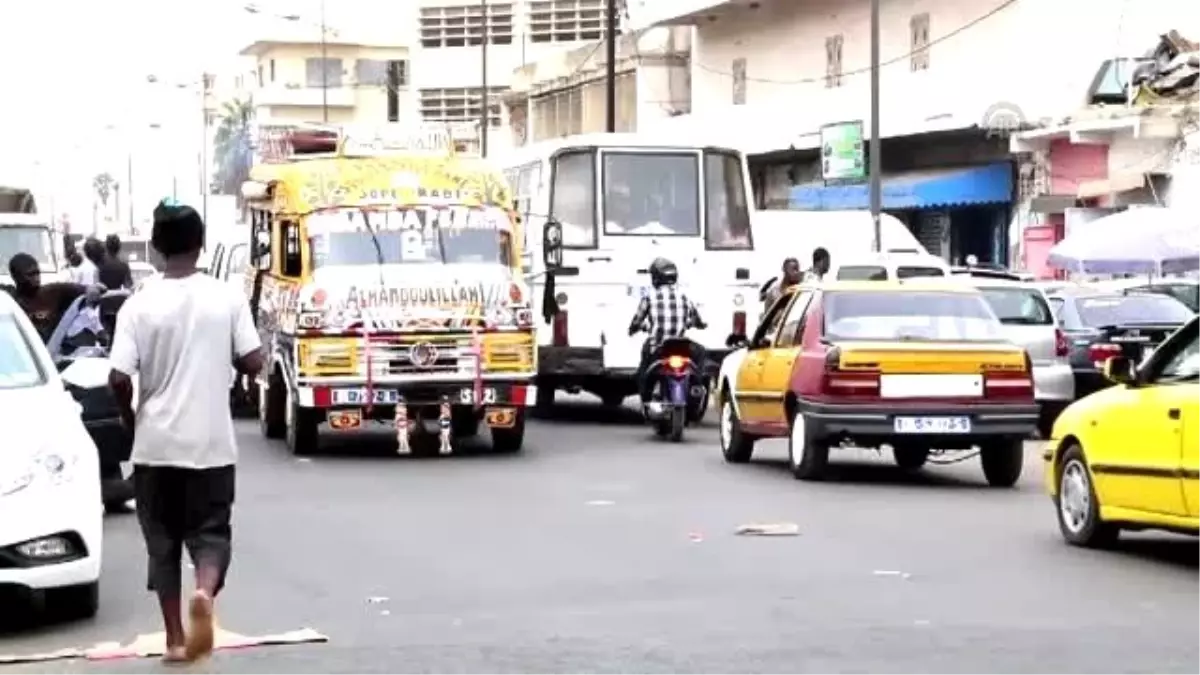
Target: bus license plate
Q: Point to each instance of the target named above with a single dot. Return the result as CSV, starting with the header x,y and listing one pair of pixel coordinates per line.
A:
x,y
933,425
359,396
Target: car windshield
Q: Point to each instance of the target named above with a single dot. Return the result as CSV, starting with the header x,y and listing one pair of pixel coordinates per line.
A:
x,y
19,367
410,236
918,315
31,239
1018,306
651,194
1117,310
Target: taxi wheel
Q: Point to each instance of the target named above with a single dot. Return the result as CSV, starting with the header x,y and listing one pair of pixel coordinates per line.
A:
x,y
1002,461
808,456
1078,508
510,440
736,445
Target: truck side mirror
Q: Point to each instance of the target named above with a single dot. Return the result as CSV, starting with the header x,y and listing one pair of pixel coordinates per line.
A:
x,y
552,244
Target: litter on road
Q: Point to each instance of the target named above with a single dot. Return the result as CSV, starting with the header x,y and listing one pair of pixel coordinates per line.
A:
x,y
769,530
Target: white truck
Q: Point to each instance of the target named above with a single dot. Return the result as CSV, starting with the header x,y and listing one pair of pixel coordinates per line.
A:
x,y
624,200
23,230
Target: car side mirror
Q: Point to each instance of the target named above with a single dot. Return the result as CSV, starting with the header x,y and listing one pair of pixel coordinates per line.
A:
x,y
1119,369
736,341
552,244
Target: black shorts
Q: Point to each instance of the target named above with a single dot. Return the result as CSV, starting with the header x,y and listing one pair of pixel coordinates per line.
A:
x,y
180,507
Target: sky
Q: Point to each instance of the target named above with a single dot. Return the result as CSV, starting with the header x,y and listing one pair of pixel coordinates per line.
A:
x,y
82,102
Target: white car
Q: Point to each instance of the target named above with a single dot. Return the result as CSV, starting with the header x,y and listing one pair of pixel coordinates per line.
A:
x,y
51,511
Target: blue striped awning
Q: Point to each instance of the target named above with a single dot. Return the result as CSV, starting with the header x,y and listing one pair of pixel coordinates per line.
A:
x,y
987,184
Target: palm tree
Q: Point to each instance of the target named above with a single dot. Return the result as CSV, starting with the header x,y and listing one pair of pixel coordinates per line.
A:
x,y
232,147
104,185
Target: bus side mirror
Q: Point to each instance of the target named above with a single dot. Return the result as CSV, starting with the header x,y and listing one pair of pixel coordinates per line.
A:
x,y
552,244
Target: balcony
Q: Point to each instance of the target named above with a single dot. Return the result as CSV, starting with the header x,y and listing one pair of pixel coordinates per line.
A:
x,y
649,13
305,97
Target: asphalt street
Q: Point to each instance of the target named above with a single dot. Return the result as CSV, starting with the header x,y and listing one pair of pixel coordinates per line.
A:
x,y
600,549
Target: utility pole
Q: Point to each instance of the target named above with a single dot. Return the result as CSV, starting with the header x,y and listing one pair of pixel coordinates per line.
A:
x,y
205,85
875,166
324,68
610,66
129,187
485,103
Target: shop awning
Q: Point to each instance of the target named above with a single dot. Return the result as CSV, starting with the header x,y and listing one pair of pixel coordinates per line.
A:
x,y
987,184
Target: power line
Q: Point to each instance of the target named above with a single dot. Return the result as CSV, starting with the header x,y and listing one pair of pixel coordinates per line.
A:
x,y
888,62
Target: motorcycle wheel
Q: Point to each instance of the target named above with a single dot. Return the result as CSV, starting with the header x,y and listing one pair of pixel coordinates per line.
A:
x,y
678,422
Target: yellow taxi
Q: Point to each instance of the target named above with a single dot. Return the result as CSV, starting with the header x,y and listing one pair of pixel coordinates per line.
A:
x,y
1128,457
920,366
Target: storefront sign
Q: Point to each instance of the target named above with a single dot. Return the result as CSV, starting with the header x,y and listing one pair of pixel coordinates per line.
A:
x,y
843,158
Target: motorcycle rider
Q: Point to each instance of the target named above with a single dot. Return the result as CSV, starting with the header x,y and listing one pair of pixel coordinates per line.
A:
x,y
665,313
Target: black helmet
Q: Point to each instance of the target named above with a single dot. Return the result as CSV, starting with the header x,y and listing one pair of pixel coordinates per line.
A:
x,y
663,272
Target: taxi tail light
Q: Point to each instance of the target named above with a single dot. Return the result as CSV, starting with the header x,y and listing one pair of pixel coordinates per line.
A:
x,y
1062,345
560,328
848,383
739,323
1009,384
1099,353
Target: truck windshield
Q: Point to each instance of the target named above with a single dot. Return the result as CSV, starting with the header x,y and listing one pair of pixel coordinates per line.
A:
x,y
31,239
411,236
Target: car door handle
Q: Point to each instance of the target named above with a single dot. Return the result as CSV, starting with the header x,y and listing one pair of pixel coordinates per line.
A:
x,y
1173,413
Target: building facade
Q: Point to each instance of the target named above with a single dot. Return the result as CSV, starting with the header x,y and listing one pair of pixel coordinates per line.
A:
x,y
769,76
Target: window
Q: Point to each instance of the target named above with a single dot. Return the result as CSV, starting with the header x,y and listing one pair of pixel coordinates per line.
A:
x,y
463,25
771,321
566,20
739,81
19,367
793,326
259,77
727,210
1184,365
272,70
1117,310
410,236
573,197
36,241
293,263
459,105
380,73
236,262
1018,306
651,194
908,272
862,273
918,27
323,73
833,61
918,316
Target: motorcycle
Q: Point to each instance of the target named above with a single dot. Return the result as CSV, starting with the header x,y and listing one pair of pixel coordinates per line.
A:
x,y
678,389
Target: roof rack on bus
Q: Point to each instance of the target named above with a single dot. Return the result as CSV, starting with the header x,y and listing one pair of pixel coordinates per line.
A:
x,y
279,143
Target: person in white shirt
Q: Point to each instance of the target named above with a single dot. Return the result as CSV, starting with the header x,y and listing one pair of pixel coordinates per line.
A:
x,y
86,273
174,335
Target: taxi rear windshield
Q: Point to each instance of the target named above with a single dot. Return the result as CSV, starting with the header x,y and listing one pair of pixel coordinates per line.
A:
x,y
931,316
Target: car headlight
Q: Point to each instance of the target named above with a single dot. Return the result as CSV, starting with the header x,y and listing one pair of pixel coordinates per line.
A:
x,y
48,468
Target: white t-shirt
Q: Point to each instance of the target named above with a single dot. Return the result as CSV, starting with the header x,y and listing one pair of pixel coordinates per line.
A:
x,y
179,337
87,274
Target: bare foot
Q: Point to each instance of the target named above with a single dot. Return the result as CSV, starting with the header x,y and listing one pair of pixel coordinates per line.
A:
x,y
201,631
175,654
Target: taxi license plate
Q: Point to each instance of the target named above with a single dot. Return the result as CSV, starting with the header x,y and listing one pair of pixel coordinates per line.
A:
x,y
359,396
933,425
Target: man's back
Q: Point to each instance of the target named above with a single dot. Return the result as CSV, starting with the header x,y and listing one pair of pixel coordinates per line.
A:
x,y
179,336
670,312
114,273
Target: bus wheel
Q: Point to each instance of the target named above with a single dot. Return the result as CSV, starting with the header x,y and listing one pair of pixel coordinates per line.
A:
x,y
512,439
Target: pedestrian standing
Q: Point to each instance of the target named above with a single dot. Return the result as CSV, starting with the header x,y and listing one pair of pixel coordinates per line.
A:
x,y
789,275
87,272
114,272
820,265
176,335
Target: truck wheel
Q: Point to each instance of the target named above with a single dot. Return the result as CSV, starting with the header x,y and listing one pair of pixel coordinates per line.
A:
x,y
1002,461
1077,506
512,439
808,456
302,429
272,399
910,458
736,445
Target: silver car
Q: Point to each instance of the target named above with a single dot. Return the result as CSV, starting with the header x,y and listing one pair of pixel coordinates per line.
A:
x,y
1028,322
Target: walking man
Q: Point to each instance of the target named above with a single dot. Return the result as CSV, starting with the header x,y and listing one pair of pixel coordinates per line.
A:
x,y
114,272
175,336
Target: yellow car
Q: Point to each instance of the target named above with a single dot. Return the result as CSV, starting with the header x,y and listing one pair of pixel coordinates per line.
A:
x,y
1127,457
920,366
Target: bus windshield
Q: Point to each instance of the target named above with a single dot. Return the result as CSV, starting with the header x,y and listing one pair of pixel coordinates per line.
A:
x,y
421,235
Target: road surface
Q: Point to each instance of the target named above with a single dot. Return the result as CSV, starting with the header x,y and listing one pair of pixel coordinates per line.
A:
x,y
601,550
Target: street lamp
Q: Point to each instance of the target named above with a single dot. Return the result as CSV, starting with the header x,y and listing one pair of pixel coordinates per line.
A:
x,y
254,9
